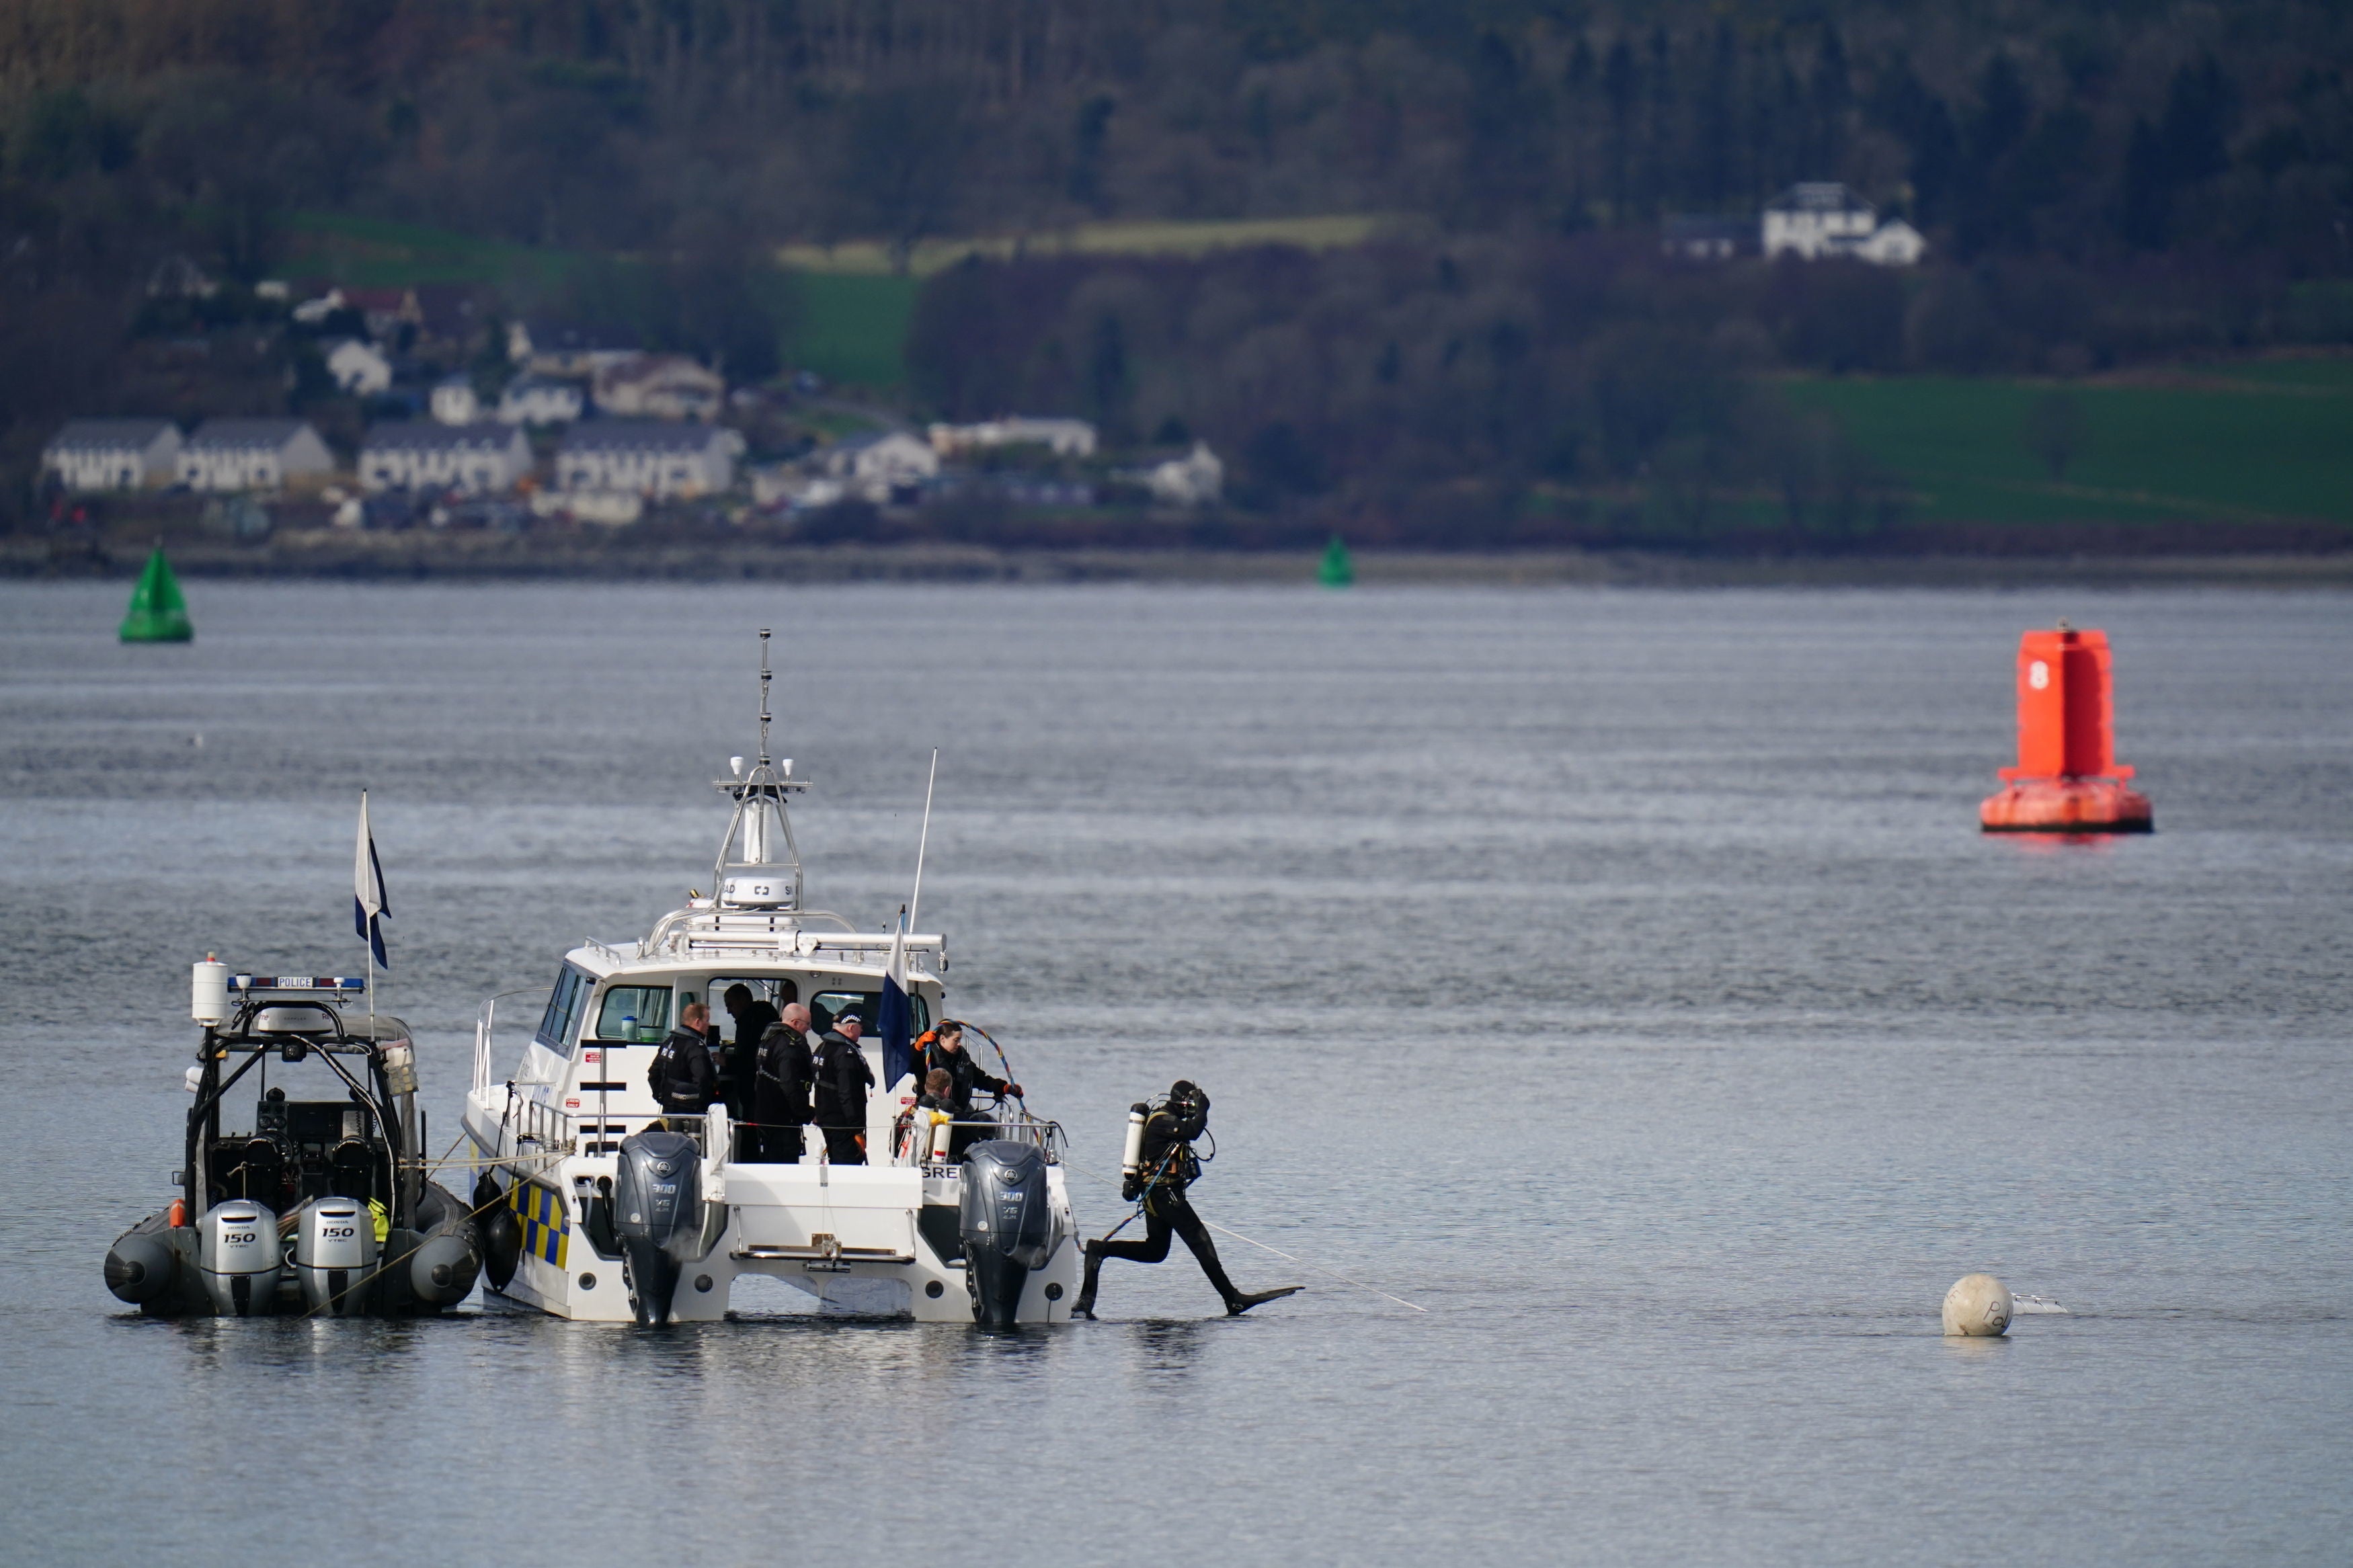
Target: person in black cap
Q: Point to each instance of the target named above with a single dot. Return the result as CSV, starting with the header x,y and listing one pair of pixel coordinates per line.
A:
x,y
1169,1166
842,1079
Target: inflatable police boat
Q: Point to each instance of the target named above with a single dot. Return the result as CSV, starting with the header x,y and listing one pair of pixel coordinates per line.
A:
x,y
302,1170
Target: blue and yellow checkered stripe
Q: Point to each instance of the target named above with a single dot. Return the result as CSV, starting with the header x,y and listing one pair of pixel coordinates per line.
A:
x,y
546,1228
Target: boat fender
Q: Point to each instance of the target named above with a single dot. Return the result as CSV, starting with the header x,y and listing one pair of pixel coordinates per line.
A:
x,y
502,1232
241,1257
140,1266
448,1261
1131,1160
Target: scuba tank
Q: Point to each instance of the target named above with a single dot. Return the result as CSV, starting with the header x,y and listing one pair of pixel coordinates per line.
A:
x,y
1131,1160
942,1130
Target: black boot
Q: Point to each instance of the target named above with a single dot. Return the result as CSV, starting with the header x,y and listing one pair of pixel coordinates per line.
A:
x,y
1085,1307
1237,1303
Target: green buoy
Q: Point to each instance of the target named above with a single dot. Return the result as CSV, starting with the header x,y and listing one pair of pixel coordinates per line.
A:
x,y
158,612
1339,568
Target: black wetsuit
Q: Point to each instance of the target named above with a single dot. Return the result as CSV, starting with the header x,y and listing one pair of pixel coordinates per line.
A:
x,y
1169,1167
780,1098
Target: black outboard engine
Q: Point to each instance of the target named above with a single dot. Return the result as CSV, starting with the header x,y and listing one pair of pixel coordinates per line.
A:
x,y
657,1217
1007,1226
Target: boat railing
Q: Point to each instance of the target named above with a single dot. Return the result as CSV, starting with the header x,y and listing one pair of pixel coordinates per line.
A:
x,y
784,932
1018,1127
485,1029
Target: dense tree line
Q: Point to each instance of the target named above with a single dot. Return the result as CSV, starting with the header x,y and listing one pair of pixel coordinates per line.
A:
x,y
2073,127
2098,181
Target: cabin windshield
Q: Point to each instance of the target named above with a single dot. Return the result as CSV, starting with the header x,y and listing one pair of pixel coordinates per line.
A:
x,y
634,1014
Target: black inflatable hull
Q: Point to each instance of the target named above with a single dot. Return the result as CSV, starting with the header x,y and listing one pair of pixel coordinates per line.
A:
x,y
152,1267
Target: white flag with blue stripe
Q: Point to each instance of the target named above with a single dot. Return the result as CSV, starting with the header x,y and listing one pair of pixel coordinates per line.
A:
x,y
896,1025
369,905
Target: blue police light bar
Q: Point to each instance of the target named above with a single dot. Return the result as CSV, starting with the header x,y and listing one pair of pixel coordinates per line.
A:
x,y
338,982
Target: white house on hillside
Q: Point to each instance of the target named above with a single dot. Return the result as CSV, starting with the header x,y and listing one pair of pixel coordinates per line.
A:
x,y
540,400
1064,437
648,458
880,466
253,454
113,454
560,348
359,367
420,455
1821,217
657,386
454,402
1197,479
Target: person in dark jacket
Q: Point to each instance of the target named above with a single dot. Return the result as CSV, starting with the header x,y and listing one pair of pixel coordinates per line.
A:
x,y
1169,1167
681,1077
842,1079
786,1072
941,1049
739,1059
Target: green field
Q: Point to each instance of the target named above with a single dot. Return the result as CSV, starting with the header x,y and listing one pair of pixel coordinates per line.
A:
x,y
2250,441
853,327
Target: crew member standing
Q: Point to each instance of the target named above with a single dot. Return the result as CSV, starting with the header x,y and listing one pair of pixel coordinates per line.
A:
x,y
739,1059
842,1079
1169,1166
780,1099
943,1049
681,1077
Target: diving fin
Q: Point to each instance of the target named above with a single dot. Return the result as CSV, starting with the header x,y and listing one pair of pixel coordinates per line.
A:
x,y
1236,1305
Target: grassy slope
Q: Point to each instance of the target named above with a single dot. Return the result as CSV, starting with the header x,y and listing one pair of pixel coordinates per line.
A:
x,y
2259,440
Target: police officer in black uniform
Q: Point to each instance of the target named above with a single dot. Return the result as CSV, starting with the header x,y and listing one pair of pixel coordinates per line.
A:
x,y
786,1073
842,1079
1169,1166
681,1075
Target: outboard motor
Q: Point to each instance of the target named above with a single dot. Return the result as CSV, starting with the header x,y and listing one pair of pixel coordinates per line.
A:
x,y
1007,1226
336,1255
238,1255
657,1216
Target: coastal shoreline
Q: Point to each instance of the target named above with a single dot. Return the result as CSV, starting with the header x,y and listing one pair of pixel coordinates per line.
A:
x,y
420,556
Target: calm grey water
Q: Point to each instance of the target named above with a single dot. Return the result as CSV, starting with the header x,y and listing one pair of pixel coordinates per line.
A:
x,y
1617,975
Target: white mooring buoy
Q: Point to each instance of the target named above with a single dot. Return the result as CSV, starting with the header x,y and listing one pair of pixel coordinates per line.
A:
x,y
1978,1306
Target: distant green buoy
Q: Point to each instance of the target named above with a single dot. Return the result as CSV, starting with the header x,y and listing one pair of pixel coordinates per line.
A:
x,y
158,612
1339,568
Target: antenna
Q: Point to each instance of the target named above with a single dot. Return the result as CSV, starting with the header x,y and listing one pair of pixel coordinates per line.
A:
x,y
764,679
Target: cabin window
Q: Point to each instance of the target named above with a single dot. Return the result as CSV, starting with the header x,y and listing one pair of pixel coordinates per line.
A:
x,y
776,992
564,1008
648,1004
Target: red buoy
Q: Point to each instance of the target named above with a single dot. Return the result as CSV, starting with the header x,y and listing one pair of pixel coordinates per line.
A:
x,y
2067,779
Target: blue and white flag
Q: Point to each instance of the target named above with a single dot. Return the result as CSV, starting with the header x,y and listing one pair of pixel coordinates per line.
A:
x,y
369,906
896,1025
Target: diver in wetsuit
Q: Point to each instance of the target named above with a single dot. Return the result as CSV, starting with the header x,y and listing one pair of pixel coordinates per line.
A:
x,y
1169,1166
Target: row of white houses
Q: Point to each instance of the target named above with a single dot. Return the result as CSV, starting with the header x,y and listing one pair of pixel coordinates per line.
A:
x,y
654,459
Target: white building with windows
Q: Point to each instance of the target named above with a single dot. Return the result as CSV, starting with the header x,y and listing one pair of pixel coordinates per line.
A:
x,y
1815,218
113,454
1063,437
540,400
880,466
421,454
652,457
657,386
253,454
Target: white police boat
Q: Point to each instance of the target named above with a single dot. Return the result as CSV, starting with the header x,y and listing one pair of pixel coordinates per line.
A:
x,y
311,1202
599,1209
